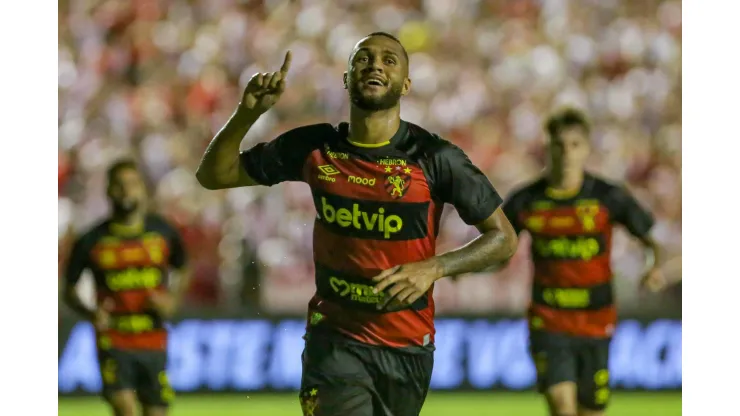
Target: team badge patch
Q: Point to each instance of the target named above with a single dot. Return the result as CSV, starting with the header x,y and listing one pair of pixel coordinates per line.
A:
x,y
309,401
397,181
586,212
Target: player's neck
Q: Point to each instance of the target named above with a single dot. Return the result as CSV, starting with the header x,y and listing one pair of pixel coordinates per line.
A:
x,y
129,220
565,180
373,127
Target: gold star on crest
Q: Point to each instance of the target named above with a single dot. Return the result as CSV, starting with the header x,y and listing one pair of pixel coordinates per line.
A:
x,y
388,169
314,392
407,170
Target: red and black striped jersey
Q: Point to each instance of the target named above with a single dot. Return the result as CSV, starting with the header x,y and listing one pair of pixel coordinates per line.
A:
x,y
571,246
377,207
127,263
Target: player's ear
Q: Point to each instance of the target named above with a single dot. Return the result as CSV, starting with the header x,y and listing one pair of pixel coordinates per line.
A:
x,y
406,88
344,80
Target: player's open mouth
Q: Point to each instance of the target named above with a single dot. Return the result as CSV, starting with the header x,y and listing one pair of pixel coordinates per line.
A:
x,y
374,82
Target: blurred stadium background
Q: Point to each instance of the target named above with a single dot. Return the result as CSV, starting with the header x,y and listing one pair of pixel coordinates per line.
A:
x,y
156,78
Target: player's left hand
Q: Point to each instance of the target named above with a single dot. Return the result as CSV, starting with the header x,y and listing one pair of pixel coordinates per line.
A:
x,y
163,303
654,281
405,284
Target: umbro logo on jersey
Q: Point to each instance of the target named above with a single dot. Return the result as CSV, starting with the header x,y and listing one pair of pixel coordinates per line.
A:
x,y
327,171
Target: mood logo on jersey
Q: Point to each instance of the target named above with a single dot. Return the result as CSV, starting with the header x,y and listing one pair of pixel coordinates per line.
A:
x,y
327,171
574,248
369,182
129,279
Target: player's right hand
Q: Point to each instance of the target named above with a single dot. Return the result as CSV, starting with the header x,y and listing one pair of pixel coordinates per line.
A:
x,y
654,281
264,90
101,319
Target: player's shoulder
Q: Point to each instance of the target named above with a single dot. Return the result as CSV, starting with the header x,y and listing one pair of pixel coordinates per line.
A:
x,y
93,233
424,144
601,187
313,134
311,130
529,189
157,223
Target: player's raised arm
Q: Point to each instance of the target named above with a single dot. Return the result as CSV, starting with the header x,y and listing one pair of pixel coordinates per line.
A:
x,y
220,167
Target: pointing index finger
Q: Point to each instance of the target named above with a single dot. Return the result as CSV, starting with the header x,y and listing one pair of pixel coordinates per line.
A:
x,y
286,63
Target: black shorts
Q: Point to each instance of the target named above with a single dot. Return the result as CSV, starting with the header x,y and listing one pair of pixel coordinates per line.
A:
x,y
584,361
139,370
345,378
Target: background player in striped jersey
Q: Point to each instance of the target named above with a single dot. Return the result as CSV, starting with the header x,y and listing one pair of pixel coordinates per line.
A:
x,y
570,215
379,184
130,255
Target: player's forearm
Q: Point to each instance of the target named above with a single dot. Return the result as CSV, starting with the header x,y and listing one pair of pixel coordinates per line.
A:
x,y
180,287
492,249
219,167
73,301
652,253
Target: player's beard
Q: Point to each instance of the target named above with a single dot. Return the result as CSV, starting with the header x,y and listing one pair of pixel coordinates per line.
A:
x,y
375,103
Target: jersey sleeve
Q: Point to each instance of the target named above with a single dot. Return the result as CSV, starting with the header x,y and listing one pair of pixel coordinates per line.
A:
x,y
78,261
280,160
512,207
629,213
457,181
178,256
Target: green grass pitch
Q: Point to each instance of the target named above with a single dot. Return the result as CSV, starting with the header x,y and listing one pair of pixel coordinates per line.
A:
x,y
438,404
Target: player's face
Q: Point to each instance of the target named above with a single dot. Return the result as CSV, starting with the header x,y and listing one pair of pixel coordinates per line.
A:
x,y
377,77
570,149
127,191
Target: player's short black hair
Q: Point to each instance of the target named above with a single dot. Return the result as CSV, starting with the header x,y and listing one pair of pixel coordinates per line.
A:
x,y
565,118
120,165
389,36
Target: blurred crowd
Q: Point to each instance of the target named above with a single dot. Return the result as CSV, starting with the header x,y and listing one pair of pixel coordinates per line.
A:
x,y
157,78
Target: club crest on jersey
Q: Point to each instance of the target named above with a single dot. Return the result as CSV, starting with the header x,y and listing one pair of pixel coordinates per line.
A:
x,y
397,181
154,245
309,401
586,211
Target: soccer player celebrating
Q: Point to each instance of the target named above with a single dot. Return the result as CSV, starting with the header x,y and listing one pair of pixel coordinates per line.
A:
x,y
379,184
570,215
130,255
